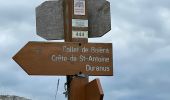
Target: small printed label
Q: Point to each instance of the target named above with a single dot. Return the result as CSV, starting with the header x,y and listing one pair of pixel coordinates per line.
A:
x,y
79,34
79,7
79,23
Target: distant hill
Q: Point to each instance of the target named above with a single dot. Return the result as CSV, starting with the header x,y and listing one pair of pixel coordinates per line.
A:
x,y
12,97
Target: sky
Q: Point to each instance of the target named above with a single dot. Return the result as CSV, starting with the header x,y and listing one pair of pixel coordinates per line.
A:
x,y
141,51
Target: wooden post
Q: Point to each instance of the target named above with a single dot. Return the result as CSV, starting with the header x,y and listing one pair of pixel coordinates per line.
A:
x,y
75,85
72,21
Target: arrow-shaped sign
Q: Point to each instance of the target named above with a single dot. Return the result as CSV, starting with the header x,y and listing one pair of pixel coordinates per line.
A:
x,y
63,58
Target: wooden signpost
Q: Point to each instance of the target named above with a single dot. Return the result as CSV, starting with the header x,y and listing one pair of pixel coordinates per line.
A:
x,y
74,21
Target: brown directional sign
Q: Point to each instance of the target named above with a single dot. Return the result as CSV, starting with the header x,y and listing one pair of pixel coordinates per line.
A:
x,y
66,58
50,20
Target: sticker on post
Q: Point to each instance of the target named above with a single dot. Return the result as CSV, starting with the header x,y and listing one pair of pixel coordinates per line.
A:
x,y
79,34
79,23
79,7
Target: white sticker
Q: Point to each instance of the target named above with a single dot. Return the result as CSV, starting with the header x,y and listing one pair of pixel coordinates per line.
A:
x,y
79,23
79,34
79,7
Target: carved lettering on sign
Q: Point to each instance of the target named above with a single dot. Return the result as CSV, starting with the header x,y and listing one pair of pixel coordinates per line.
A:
x,y
55,58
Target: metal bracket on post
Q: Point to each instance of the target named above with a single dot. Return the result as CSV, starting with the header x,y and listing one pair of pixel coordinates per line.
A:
x,y
66,90
67,85
81,75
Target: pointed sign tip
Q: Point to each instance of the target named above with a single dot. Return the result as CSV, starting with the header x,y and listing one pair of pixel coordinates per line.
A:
x,y
14,57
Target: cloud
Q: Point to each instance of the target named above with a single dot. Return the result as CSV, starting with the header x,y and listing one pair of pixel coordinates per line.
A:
x,y
141,45
135,16
15,12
